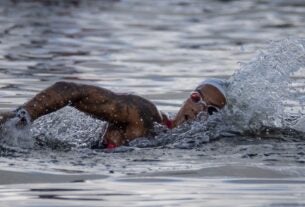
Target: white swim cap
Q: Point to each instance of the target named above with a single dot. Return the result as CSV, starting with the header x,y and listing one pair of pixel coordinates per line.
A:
x,y
221,85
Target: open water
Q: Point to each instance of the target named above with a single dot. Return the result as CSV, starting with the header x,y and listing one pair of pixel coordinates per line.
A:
x,y
250,154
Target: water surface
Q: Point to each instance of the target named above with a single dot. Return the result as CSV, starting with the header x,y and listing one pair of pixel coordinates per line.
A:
x,y
160,50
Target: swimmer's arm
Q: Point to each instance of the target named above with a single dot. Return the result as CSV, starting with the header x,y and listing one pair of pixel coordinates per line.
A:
x,y
95,101
129,116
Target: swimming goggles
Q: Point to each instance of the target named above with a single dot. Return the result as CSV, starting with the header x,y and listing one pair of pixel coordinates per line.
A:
x,y
197,98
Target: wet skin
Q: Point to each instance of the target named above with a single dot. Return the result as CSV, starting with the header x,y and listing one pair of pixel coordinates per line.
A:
x,y
128,116
190,109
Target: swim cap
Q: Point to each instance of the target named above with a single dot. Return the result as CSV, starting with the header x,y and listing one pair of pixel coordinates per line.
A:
x,y
221,85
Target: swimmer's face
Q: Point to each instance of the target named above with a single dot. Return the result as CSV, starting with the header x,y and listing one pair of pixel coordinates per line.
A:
x,y
205,98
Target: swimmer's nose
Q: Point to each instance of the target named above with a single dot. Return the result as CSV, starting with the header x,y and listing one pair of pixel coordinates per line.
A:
x,y
188,111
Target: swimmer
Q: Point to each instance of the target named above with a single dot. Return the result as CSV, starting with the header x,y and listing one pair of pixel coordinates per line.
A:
x,y
128,116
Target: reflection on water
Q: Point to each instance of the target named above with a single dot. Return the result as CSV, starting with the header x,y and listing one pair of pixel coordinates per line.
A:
x,y
161,50
160,191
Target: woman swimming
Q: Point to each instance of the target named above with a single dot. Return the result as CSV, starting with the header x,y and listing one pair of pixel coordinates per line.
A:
x,y
128,116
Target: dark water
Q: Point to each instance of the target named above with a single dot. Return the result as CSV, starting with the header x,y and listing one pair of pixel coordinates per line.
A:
x,y
160,50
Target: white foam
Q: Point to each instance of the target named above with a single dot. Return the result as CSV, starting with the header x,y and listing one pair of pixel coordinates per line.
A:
x,y
259,90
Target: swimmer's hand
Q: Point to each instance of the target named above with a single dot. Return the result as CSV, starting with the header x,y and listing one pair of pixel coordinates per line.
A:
x,y
18,118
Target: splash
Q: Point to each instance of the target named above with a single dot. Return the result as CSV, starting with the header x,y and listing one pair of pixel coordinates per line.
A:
x,y
67,128
257,97
16,137
259,90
